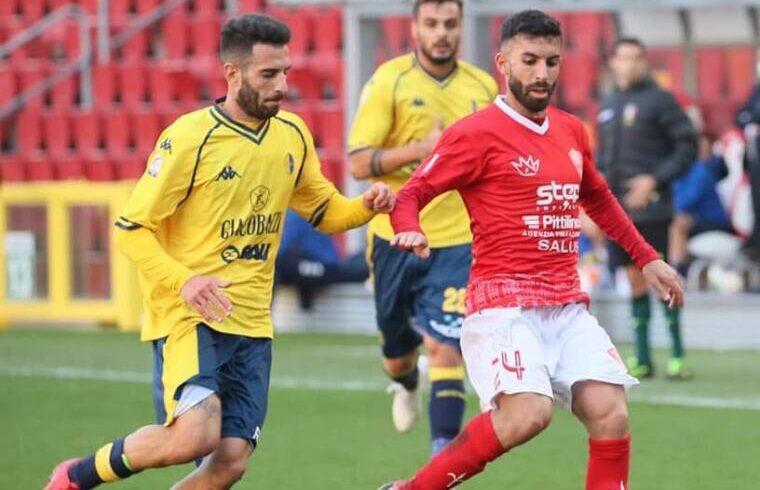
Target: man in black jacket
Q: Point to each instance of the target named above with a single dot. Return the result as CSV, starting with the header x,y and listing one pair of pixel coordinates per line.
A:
x,y
748,119
645,142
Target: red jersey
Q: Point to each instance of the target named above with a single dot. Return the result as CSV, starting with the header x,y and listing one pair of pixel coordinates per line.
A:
x,y
523,184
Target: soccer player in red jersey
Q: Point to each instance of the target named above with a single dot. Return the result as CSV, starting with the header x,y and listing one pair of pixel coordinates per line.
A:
x,y
523,170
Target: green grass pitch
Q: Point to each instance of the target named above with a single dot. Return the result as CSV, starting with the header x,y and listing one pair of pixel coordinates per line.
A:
x,y
63,393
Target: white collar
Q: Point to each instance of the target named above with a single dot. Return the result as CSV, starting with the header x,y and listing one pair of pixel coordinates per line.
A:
x,y
520,119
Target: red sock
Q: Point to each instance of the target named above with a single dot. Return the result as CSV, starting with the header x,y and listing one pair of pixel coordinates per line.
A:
x,y
608,464
463,458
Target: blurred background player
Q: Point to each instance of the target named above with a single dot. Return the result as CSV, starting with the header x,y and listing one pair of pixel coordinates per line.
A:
x,y
203,227
646,141
697,205
528,337
402,110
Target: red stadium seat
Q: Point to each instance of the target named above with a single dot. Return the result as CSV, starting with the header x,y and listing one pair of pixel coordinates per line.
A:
x,y
118,10
206,6
104,85
69,168
97,167
132,84
205,36
117,133
302,109
39,168
332,166
28,132
11,169
8,8
328,30
64,93
57,134
129,167
670,61
136,49
578,78
32,73
31,10
710,71
329,125
175,34
8,84
396,30
146,126
300,22
585,32
89,6
160,87
740,65
250,6
329,71
87,129
303,84
145,6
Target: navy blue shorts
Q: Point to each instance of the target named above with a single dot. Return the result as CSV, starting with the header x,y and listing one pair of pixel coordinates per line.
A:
x,y
235,367
415,296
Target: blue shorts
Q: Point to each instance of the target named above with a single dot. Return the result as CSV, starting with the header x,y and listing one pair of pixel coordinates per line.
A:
x,y
415,296
235,367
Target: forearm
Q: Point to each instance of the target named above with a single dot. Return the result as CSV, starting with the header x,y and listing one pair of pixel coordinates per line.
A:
x,y
141,247
373,162
602,207
412,199
344,214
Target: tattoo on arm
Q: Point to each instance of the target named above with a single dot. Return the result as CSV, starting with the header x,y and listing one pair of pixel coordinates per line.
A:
x,y
375,167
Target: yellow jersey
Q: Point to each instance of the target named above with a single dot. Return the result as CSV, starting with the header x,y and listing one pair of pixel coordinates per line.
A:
x,y
214,196
399,106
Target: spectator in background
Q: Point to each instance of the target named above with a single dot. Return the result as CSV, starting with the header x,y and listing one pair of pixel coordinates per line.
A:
x,y
645,142
698,207
748,119
309,259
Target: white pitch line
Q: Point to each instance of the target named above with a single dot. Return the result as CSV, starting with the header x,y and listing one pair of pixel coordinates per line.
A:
x,y
80,373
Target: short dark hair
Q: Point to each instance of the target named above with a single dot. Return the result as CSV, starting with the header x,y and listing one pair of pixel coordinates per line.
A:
x,y
530,23
633,41
418,4
241,33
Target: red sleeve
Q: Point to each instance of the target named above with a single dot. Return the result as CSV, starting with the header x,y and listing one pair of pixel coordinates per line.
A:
x,y
454,163
602,207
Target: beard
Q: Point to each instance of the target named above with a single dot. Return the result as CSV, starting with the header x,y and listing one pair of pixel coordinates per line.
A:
x,y
522,94
439,60
249,100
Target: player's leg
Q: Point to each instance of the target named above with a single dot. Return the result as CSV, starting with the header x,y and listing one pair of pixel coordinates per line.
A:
x,y
192,418
590,378
244,394
677,368
506,366
438,311
640,365
393,272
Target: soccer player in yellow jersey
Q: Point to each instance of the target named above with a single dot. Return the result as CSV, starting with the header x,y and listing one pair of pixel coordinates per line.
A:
x,y
401,113
203,227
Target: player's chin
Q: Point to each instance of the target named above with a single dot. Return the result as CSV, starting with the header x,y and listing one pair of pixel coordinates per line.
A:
x,y
270,109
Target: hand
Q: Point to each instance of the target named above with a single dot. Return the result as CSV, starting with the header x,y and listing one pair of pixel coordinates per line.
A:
x,y
640,189
204,295
412,241
664,280
427,145
379,197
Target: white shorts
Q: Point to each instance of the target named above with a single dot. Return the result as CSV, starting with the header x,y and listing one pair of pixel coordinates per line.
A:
x,y
538,350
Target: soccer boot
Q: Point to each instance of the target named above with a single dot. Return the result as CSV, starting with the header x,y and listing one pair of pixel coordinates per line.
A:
x,y
395,485
59,480
639,370
679,369
406,408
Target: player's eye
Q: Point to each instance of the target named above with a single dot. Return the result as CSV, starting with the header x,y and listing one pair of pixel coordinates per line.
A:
x,y
451,24
552,62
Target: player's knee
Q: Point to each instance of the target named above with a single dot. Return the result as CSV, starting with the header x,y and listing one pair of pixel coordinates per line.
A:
x,y
191,442
235,470
399,366
611,423
518,421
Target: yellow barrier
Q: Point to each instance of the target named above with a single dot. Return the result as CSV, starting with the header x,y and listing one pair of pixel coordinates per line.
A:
x,y
123,308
